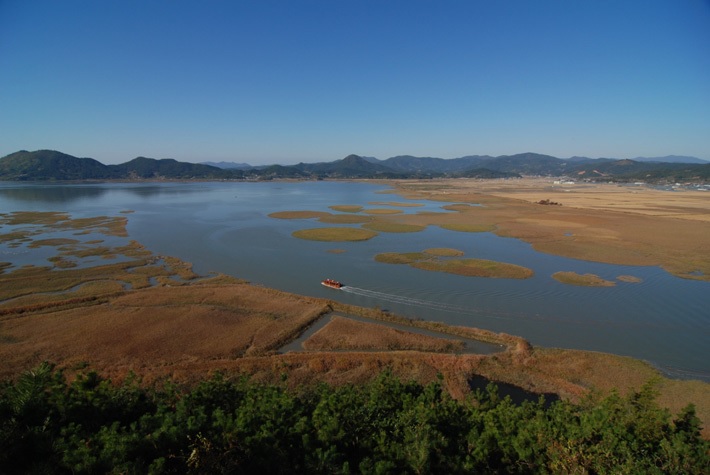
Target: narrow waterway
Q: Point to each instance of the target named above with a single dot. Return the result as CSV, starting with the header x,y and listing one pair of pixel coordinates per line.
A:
x,y
471,346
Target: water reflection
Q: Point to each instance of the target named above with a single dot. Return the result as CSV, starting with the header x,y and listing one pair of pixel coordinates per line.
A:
x,y
65,194
225,227
50,193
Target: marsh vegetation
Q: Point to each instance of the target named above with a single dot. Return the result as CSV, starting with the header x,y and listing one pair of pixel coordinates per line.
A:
x,y
153,315
586,280
335,234
440,260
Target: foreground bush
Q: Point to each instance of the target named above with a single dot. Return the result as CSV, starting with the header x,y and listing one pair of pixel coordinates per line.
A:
x,y
388,426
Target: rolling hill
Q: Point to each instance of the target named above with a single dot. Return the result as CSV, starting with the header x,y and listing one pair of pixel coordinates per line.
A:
x,y
49,165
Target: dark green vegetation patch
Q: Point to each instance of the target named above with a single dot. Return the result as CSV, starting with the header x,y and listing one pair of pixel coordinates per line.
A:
x,y
53,165
48,425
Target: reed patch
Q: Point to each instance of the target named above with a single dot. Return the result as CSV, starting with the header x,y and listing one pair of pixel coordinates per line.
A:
x,y
443,252
346,208
42,218
335,234
53,242
388,227
382,211
439,260
585,280
476,268
16,237
400,257
49,220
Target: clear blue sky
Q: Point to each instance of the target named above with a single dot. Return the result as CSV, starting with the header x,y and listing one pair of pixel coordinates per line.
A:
x,y
295,80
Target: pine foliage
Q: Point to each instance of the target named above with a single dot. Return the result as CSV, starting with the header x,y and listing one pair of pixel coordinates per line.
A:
x,y
48,425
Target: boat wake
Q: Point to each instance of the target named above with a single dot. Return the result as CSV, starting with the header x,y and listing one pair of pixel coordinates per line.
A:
x,y
399,299
471,311
486,313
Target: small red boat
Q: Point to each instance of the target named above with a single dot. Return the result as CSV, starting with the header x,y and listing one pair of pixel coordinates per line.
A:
x,y
333,284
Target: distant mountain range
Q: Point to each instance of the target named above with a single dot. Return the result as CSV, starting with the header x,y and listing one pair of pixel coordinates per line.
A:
x,y
52,165
671,159
228,165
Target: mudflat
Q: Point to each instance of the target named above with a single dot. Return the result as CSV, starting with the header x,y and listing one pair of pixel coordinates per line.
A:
x,y
616,224
153,316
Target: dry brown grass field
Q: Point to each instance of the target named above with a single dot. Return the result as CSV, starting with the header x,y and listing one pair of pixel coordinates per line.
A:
x,y
597,222
153,316
186,332
347,334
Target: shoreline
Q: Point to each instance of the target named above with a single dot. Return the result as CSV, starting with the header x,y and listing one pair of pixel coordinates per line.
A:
x,y
595,227
569,373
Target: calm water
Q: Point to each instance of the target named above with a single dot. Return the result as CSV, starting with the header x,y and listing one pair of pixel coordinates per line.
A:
x,y
225,227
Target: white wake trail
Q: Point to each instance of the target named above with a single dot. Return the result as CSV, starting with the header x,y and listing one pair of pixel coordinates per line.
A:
x,y
429,304
406,300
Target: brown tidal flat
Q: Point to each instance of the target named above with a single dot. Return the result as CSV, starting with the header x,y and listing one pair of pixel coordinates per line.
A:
x,y
154,317
629,225
186,332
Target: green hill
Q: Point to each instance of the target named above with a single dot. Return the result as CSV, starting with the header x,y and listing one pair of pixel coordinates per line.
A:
x,y
53,165
145,168
352,166
486,173
50,165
